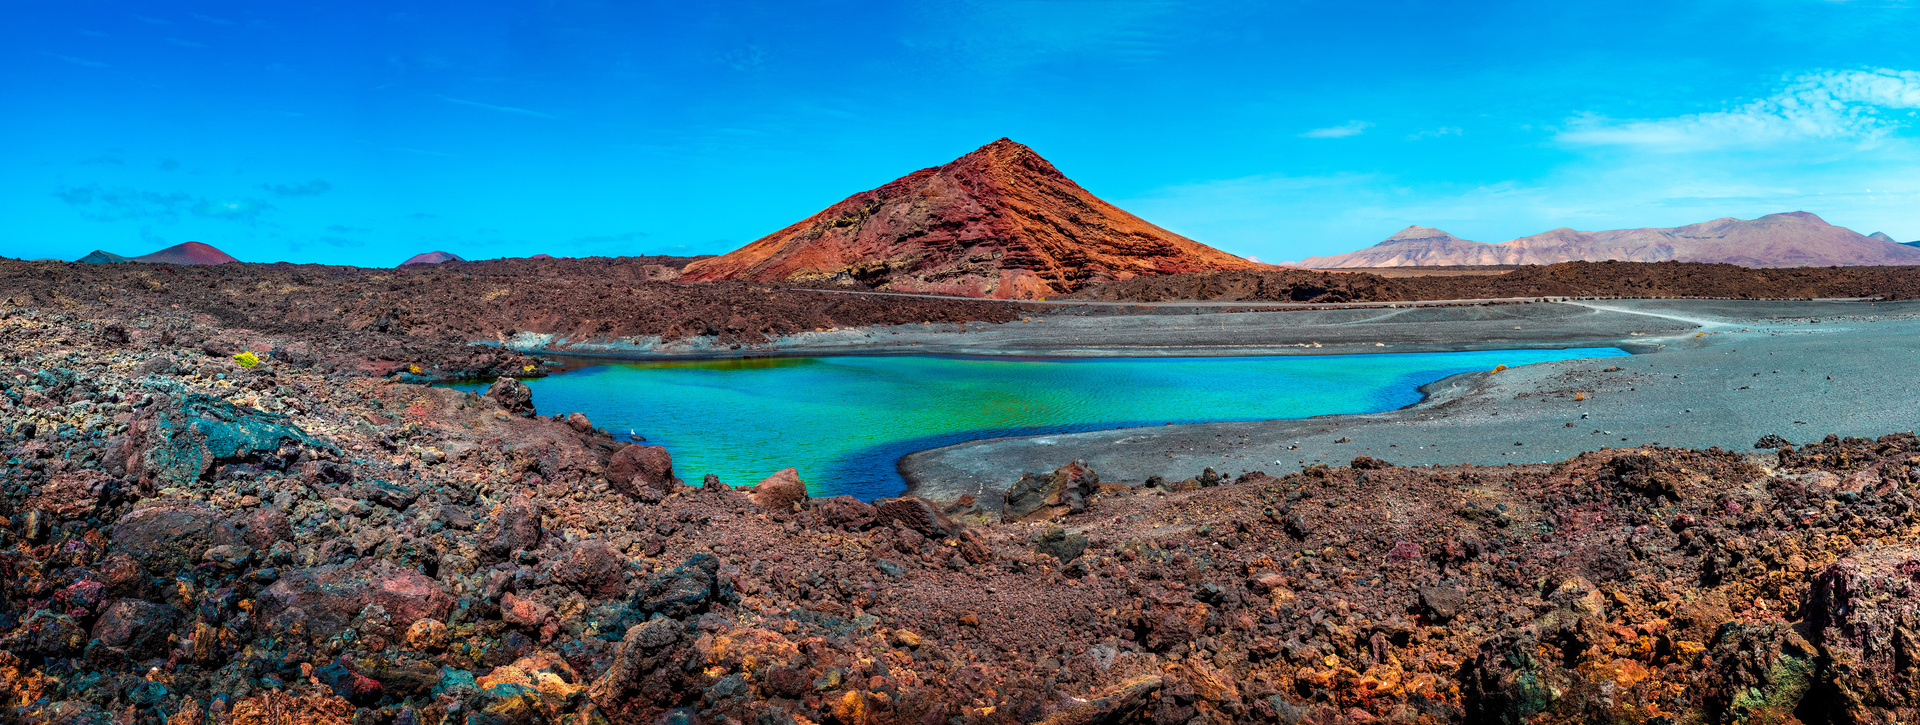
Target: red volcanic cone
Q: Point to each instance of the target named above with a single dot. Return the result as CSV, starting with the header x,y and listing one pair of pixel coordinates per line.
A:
x,y
998,222
432,258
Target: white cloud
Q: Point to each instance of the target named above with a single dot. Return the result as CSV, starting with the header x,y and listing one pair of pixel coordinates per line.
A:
x,y
83,62
1435,133
1828,105
502,109
1350,128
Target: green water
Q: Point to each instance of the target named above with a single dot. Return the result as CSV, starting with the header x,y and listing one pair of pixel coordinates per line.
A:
x,y
845,421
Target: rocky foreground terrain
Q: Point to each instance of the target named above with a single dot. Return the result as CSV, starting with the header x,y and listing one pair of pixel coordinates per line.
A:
x,y
195,533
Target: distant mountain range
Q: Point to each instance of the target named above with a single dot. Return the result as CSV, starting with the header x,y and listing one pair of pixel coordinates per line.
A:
x,y
1792,239
188,253
998,222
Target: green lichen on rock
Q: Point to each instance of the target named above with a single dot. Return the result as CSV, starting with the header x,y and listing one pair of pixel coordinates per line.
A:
x,y
177,441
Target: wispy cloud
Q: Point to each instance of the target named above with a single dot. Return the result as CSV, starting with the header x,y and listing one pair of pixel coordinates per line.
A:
x,y
422,152
211,19
238,210
78,61
98,203
152,21
1350,128
491,107
310,188
1828,105
1435,133
344,229
122,203
93,33
186,43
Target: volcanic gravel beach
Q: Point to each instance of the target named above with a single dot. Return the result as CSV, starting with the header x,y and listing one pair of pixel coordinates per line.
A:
x,y
1711,373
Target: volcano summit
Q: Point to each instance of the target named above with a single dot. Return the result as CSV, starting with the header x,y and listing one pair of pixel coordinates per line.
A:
x,y
999,222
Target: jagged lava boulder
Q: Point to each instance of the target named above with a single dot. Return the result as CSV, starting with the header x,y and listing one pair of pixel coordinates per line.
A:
x,y
322,601
179,440
779,491
169,534
1864,615
634,470
1041,496
513,395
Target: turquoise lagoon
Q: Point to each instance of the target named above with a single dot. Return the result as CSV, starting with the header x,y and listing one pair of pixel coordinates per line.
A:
x,y
844,422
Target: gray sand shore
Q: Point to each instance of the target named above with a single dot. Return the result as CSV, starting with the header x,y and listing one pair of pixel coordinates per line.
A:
x,y
1706,373
1800,370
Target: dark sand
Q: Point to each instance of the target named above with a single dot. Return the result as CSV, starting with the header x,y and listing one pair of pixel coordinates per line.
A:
x,y
1801,370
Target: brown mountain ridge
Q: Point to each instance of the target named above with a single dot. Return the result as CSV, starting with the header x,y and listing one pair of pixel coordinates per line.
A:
x,y
1792,239
999,222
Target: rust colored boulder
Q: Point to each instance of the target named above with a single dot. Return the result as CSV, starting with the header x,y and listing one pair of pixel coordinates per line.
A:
x,y
137,628
1043,496
635,468
524,611
578,421
514,527
68,495
167,535
1863,611
998,222
266,526
918,514
513,395
844,512
322,601
595,569
779,491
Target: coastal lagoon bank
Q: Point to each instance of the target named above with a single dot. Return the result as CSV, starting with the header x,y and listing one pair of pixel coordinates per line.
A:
x,y
1711,373
844,422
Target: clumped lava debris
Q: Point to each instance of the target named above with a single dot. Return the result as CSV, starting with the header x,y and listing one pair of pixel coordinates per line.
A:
x,y
310,539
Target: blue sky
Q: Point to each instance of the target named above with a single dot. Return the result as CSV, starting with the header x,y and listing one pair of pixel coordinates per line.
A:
x,y
362,133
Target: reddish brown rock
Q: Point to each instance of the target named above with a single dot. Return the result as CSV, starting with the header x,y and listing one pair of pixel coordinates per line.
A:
x,y
845,512
524,611
514,526
918,514
512,395
267,525
779,491
137,628
1863,612
1042,496
642,467
168,534
594,568
999,222
322,601
68,495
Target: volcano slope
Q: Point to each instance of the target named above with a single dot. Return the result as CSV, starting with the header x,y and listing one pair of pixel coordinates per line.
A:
x,y
188,539
998,222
